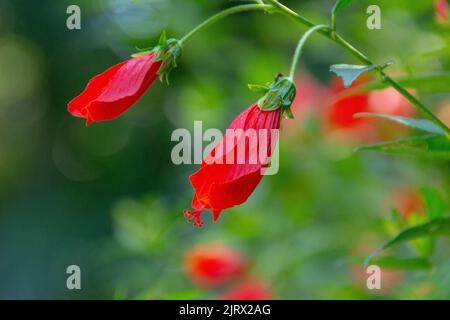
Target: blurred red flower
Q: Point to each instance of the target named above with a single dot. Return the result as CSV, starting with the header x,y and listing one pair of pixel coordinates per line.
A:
x,y
212,265
309,97
248,290
390,101
233,169
407,201
112,92
444,112
441,7
340,113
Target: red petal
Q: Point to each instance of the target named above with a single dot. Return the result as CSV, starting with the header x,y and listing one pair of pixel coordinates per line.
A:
x,y
112,92
220,185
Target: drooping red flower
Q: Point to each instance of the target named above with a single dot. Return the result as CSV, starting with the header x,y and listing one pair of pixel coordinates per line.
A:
x,y
234,168
249,290
213,265
114,91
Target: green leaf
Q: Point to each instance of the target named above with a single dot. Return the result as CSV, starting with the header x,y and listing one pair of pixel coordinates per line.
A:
x,y
258,88
437,83
350,72
163,39
436,227
435,205
392,262
428,146
421,124
340,4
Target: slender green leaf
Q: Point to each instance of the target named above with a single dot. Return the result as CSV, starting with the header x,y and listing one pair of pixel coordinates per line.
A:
x,y
428,146
435,205
392,262
350,72
425,83
420,124
258,88
340,4
436,227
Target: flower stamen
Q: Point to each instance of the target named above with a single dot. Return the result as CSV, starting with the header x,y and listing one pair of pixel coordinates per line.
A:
x,y
194,216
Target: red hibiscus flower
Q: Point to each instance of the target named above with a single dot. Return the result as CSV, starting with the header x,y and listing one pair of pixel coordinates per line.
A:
x,y
114,91
249,290
212,265
234,168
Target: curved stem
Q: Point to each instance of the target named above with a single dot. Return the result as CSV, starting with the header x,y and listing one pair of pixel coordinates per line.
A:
x,y
280,8
299,49
223,14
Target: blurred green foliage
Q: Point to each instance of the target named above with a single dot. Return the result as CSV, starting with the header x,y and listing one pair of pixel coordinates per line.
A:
x,y
108,198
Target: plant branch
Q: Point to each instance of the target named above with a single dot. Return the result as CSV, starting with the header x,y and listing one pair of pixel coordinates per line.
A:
x,y
299,49
223,14
332,35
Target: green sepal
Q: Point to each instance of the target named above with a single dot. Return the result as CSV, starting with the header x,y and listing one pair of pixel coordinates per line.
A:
x,y
169,53
258,88
280,94
162,39
288,113
167,50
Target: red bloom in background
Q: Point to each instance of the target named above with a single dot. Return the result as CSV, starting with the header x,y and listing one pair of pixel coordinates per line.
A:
x,y
390,101
444,112
441,7
212,265
114,91
249,141
341,112
249,290
407,201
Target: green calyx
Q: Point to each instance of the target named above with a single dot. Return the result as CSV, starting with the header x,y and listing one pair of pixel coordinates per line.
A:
x,y
279,94
168,51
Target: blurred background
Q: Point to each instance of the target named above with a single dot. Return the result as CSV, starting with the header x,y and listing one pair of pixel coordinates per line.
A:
x,y
108,198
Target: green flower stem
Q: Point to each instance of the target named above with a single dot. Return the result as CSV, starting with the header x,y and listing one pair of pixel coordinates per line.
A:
x,y
299,49
223,14
280,8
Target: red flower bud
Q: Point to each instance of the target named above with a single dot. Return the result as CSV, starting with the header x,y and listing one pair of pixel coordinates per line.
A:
x,y
114,91
234,168
212,265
